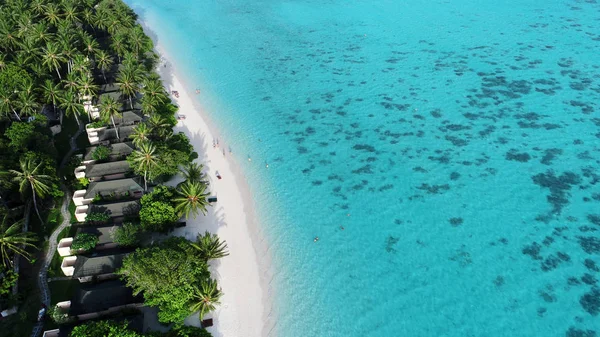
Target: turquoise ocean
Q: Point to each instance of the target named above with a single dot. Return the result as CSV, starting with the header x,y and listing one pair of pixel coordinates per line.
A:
x,y
446,154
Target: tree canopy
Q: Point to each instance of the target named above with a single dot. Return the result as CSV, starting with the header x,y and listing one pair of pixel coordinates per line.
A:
x,y
121,329
167,275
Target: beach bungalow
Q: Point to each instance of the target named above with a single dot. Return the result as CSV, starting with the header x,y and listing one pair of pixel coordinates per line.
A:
x,y
134,322
98,300
88,267
91,106
104,171
114,212
105,239
104,191
107,134
118,151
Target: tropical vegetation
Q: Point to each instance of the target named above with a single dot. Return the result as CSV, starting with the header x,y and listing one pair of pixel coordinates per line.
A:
x,y
121,329
84,241
55,58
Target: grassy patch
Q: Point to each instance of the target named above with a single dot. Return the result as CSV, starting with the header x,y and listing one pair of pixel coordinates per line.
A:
x,y
72,208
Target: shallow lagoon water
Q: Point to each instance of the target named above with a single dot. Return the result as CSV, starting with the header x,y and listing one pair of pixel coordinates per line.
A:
x,y
456,144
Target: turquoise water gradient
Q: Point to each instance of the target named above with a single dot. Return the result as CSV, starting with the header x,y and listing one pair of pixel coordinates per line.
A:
x,y
456,143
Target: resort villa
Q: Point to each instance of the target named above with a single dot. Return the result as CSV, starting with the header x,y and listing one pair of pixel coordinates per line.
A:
x,y
118,151
87,201
92,267
95,300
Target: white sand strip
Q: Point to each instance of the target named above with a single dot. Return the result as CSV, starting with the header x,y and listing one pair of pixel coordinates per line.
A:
x,y
242,308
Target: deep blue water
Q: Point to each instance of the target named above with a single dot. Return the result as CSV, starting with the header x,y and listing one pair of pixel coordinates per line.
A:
x,y
456,144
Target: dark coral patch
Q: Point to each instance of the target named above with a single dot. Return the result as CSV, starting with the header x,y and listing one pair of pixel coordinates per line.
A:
x,y
434,189
590,301
455,222
549,155
516,156
591,265
533,250
573,332
589,244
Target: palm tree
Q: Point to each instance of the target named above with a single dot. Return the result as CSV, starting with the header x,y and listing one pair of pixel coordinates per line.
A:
x,y
69,102
140,134
191,198
81,64
86,86
206,297
27,103
193,172
88,18
38,6
52,57
41,33
145,159
152,87
8,35
160,126
13,239
209,246
149,105
52,13
7,104
30,178
127,85
90,44
51,92
109,108
137,39
70,12
103,61
118,45
71,82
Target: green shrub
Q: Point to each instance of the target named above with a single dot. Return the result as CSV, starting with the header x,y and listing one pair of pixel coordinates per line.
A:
x,y
84,181
96,217
59,315
127,235
101,153
85,241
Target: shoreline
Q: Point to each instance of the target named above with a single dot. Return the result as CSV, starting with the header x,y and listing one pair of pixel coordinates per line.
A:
x,y
244,275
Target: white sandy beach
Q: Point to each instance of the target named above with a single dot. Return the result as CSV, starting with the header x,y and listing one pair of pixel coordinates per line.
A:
x,y
243,304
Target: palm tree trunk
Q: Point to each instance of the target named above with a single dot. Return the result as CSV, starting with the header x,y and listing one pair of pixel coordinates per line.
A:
x,y
131,102
17,115
145,181
60,78
103,76
35,206
76,118
112,118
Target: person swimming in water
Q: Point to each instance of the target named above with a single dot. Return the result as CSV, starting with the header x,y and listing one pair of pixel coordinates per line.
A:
x,y
316,239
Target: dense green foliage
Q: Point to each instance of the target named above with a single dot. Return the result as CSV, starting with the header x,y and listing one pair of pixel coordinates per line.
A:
x,y
85,241
127,235
97,217
101,153
7,281
120,329
157,213
167,275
